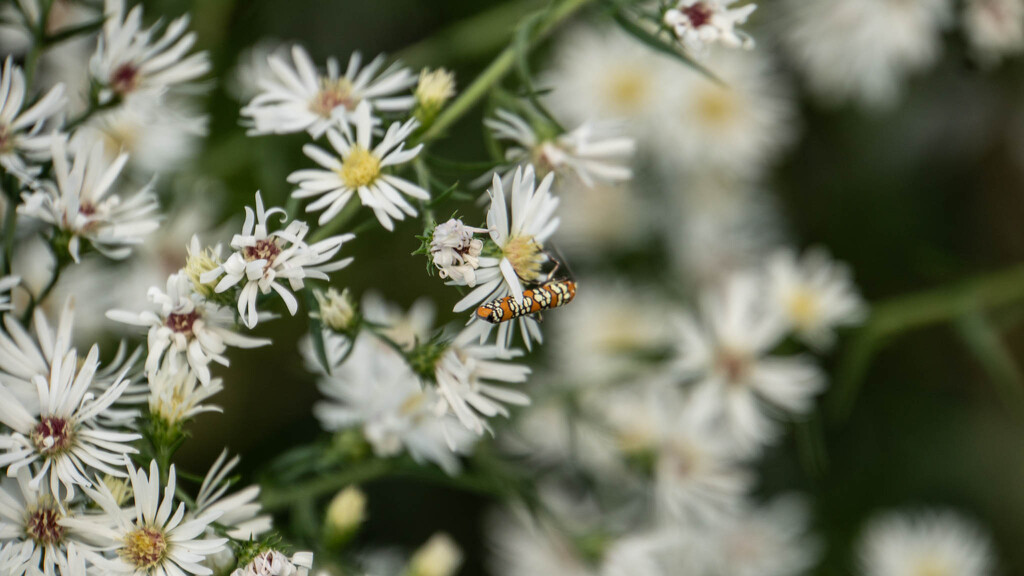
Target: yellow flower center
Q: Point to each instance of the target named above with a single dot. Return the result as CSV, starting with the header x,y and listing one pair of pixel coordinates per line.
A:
x,y
627,90
804,308
931,567
717,106
43,522
360,168
144,548
333,93
526,257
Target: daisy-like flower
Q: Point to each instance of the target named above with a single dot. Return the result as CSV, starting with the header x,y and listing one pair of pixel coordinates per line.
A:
x,y
936,543
358,167
376,390
521,243
25,135
815,295
130,59
14,558
700,23
176,395
863,50
455,252
186,329
151,538
466,375
32,517
81,204
727,356
24,354
296,97
264,259
404,328
240,512
63,434
274,563
995,28
595,152
6,284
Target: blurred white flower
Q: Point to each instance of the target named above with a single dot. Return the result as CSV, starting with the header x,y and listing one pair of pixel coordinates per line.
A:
x,y
933,543
358,167
176,394
995,28
375,388
263,259
605,219
405,329
62,434
440,556
595,152
151,536
466,375
81,203
252,66
6,284
815,295
186,329
26,131
296,97
863,50
737,128
700,23
522,259
727,355
240,512
455,252
130,58
274,563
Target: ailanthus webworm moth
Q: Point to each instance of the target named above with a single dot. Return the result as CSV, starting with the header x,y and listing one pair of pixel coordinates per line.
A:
x,y
545,297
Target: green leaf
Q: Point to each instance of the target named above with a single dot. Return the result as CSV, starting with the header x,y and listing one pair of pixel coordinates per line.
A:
x,y
986,344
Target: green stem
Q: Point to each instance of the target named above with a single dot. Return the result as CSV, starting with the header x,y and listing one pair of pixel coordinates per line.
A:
x,y
10,224
497,70
274,499
903,314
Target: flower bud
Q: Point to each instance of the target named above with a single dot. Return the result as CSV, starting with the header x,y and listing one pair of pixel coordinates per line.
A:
x,y
345,514
434,90
440,556
337,311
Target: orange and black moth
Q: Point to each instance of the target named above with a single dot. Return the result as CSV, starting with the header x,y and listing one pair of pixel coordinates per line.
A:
x,y
544,297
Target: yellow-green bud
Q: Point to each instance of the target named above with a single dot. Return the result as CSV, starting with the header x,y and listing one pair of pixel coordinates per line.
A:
x,y
345,514
119,488
199,262
337,311
434,90
440,556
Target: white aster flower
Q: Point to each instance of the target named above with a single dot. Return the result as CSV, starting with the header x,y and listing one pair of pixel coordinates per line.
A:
x,y
863,50
358,167
14,558
455,252
130,59
264,259
31,517
295,96
186,329
26,134
466,375
252,66
605,219
63,432
375,389
274,563
936,543
240,512
81,203
700,23
995,28
405,328
6,284
152,537
521,243
727,356
815,295
595,152
176,395
737,128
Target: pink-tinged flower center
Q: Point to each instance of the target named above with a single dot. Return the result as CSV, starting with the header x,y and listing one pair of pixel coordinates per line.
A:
x,y
182,322
699,14
124,79
6,139
43,524
86,209
333,93
52,435
734,365
144,548
266,249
